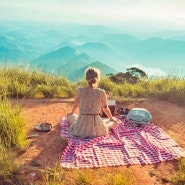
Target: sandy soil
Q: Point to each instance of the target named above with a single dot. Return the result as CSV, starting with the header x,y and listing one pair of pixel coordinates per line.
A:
x,y
46,147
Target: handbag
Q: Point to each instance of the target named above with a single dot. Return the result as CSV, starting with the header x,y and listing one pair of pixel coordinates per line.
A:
x,y
139,116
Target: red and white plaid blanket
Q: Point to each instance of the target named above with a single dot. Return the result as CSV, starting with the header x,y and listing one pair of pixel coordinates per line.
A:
x,y
124,145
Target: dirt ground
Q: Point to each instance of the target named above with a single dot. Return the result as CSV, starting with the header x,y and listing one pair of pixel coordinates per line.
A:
x,y
46,147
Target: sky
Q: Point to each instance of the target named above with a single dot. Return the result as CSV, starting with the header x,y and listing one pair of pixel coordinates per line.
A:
x,y
154,13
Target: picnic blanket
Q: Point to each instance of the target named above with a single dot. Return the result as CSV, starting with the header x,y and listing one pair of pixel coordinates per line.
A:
x,y
124,145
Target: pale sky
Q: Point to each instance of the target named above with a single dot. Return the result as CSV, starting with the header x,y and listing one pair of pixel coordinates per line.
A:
x,y
170,13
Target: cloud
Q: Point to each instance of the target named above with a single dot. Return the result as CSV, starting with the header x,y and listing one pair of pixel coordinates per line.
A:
x,y
96,12
149,71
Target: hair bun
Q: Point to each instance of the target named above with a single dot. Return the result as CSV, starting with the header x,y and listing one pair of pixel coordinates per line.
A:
x,y
92,76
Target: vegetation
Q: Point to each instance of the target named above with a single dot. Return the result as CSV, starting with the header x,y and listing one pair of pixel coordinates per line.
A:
x,y
179,176
104,176
10,171
12,132
135,83
21,83
132,76
12,140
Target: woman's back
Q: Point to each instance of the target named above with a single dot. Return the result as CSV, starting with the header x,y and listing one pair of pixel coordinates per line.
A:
x,y
89,100
89,124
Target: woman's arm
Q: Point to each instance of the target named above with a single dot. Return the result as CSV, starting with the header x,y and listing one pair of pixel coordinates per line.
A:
x,y
105,106
75,106
76,103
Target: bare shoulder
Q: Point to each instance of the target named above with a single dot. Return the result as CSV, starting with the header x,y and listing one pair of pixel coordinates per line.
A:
x,y
102,91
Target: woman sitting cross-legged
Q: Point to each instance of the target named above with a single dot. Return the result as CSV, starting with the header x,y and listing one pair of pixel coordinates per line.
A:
x,y
90,100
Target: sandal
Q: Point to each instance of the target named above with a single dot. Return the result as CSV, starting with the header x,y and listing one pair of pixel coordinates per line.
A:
x,y
43,127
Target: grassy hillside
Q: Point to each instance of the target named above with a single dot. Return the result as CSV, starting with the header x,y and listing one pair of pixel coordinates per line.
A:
x,y
21,83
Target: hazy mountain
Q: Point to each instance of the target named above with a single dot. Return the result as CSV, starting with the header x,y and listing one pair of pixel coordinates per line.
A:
x,y
81,60
99,50
56,58
170,34
78,74
12,51
153,52
62,48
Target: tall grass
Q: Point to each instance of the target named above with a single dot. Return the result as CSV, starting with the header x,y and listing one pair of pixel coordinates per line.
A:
x,y
168,88
10,171
22,83
171,89
12,139
12,132
99,176
179,177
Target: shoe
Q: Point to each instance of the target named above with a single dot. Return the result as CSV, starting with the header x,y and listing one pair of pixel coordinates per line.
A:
x,y
43,127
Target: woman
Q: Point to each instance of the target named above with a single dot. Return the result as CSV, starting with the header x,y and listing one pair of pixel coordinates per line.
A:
x,y
90,100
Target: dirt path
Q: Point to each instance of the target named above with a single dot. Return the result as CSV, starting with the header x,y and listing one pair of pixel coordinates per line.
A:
x,y
46,148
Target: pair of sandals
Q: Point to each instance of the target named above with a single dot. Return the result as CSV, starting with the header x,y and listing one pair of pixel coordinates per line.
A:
x,y
43,127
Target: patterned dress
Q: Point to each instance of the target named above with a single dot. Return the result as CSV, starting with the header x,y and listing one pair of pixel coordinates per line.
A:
x,y
88,124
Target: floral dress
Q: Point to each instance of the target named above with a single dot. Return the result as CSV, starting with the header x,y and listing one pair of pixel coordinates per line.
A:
x,y
88,123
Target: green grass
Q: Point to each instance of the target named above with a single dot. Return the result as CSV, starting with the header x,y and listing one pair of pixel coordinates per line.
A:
x,y
179,177
171,89
10,170
21,83
12,132
99,176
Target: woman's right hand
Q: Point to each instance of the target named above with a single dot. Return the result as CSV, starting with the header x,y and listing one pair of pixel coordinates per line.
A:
x,y
70,113
115,120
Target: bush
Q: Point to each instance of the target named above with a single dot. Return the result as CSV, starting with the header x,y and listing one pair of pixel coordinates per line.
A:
x,y
12,132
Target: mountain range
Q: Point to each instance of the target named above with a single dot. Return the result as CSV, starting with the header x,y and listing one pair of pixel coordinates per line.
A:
x,y
69,49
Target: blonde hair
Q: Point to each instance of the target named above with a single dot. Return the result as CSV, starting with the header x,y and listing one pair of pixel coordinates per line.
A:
x,y
92,76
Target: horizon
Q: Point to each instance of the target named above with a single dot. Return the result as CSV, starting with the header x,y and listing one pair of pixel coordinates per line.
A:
x,y
139,18
131,14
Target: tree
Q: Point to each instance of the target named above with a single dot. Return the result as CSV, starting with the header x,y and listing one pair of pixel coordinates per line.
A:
x,y
133,75
134,71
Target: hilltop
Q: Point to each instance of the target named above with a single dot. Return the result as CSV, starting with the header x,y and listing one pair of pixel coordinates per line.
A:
x,y
46,149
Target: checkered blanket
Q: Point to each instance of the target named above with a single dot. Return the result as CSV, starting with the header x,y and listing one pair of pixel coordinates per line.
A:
x,y
124,145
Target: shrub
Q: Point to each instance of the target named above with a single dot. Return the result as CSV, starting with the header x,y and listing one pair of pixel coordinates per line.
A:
x,y
12,132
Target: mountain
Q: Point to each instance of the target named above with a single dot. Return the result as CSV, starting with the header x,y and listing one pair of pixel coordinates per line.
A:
x,y
152,52
81,60
159,52
99,50
170,34
68,60
67,47
56,58
12,51
78,74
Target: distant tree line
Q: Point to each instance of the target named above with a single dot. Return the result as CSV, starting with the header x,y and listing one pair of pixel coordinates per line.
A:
x,y
132,76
